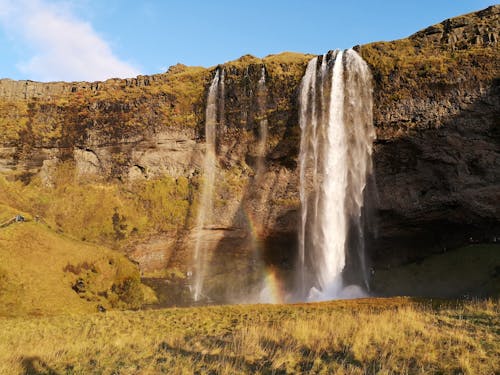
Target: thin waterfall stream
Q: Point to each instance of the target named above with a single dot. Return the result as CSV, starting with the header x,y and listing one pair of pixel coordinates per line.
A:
x,y
263,124
205,210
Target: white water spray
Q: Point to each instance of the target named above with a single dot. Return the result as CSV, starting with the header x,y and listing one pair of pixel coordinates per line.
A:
x,y
335,159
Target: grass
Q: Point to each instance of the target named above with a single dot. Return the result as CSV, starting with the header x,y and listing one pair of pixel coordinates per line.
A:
x,y
7,213
395,336
114,214
13,120
40,269
471,270
287,63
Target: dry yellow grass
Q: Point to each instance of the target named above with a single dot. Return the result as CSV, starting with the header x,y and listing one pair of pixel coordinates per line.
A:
x,y
396,336
39,267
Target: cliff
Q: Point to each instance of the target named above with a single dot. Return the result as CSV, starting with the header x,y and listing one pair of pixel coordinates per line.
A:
x,y
437,152
119,162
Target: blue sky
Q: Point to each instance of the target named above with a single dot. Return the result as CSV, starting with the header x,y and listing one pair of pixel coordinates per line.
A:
x,y
96,39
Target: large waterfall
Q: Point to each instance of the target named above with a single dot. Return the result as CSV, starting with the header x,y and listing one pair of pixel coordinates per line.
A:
x,y
205,209
335,159
335,116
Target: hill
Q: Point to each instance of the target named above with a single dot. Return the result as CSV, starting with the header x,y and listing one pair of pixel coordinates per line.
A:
x,y
43,272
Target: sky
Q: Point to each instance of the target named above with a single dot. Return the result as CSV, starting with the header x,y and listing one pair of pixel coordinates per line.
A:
x,y
73,40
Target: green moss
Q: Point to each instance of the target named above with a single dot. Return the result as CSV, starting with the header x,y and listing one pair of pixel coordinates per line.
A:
x,y
83,211
128,293
243,62
287,64
103,212
166,201
13,120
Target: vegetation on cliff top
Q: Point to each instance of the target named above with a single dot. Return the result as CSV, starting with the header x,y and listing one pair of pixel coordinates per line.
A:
x,y
434,61
444,54
125,107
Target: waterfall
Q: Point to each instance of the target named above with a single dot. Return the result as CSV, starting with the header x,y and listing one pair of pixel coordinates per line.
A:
x,y
205,209
262,106
337,134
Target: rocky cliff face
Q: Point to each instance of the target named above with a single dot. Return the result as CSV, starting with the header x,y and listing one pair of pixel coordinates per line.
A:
x,y
437,155
130,151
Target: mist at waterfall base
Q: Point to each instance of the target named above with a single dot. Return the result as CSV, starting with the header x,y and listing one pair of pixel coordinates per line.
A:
x,y
335,164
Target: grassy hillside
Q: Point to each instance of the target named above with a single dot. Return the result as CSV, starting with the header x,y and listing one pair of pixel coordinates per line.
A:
x,y
353,337
43,272
100,212
473,270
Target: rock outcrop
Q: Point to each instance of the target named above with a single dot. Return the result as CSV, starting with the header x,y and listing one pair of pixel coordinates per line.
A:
x,y
437,154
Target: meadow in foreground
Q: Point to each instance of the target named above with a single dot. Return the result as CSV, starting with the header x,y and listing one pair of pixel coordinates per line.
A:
x,y
385,336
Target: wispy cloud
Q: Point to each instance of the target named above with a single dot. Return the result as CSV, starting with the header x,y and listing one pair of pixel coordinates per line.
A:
x,y
64,47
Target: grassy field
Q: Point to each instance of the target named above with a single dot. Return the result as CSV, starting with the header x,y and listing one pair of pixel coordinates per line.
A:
x,y
383,336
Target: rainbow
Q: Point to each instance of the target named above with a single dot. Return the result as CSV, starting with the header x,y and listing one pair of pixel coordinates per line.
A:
x,y
253,231
272,291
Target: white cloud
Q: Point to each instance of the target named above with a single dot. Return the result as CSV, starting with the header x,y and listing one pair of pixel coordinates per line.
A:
x,y
64,47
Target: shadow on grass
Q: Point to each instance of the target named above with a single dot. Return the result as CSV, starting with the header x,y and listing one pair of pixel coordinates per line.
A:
x,y
35,366
237,362
309,357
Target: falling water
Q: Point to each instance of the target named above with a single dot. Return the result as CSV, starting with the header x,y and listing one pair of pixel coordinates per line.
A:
x,y
205,210
335,159
262,104
360,137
